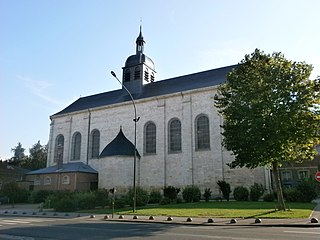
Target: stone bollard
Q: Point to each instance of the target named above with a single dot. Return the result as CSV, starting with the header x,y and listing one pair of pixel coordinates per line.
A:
x,y
121,217
189,219
151,218
135,217
258,220
169,219
233,220
210,220
314,220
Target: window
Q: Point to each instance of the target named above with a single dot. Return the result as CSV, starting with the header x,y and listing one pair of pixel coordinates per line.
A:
x,y
76,146
36,181
150,138
127,74
65,179
95,144
174,135
152,77
137,73
146,75
303,174
58,148
286,175
47,181
202,133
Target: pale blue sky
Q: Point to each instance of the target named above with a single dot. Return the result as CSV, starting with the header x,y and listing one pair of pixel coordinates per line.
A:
x,y
54,51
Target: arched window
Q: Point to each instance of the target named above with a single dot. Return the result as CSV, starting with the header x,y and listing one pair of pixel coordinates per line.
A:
x,y
150,138
76,146
95,143
36,181
65,179
58,148
174,135
137,73
202,133
127,75
47,180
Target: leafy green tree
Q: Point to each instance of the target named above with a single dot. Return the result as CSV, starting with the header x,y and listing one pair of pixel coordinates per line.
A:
x,y
37,158
271,113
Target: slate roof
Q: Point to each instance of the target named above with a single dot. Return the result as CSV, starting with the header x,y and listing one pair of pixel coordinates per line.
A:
x,y
119,146
66,167
173,85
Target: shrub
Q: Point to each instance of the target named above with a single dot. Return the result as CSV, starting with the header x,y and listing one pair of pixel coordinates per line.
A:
x,y
165,201
291,195
14,193
207,194
191,194
119,202
225,189
39,196
171,193
84,200
307,190
155,197
269,197
101,196
142,197
241,194
256,191
66,204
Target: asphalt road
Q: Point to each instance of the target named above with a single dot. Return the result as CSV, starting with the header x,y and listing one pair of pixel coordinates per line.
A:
x,y
39,228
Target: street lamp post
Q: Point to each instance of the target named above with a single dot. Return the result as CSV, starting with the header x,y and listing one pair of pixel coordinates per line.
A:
x,y
135,142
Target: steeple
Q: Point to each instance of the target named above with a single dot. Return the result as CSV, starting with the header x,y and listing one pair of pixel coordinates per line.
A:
x,y
140,42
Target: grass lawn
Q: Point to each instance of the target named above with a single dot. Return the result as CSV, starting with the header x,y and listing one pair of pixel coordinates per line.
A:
x,y
232,209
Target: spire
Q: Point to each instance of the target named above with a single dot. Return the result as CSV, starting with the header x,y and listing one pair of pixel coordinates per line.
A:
x,y
140,42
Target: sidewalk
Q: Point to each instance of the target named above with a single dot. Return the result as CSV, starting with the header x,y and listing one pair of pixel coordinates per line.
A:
x,y
34,210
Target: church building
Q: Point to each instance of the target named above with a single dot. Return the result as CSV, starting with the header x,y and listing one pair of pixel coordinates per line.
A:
x,y
173,123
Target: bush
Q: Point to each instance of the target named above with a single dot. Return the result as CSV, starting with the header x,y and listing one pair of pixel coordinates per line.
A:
x,y
269,197
84,200
165,201
14,193
66,204
155,197
101,196
191,194
241,194
171,193
39,196
256,191
225,189
207,194
291,195
307,190
142,197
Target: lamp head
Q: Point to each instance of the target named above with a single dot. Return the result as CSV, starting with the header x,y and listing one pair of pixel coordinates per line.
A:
x,y
113,74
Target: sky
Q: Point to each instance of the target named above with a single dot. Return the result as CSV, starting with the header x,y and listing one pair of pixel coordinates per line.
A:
x,y
54,51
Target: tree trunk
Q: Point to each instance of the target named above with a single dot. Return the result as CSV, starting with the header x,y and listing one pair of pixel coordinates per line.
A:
x,y
281,204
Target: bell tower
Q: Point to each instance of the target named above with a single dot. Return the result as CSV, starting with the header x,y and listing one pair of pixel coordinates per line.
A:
x,y
139,69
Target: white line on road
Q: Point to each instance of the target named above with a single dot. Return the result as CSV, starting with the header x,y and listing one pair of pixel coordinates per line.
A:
x,y
318,233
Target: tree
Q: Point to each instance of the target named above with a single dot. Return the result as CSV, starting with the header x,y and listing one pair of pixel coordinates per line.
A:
x,y
18,153
271,113
37,158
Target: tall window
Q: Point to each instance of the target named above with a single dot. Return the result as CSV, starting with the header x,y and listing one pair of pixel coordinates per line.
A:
x,y
58,148
137,73
95,144
202,133
76,146
127,74
174,135
150,138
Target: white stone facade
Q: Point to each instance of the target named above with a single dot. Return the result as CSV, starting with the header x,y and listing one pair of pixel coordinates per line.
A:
x,y
188,167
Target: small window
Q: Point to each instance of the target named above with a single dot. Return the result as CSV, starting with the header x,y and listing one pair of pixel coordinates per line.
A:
x,y
152,77
65,179
146,75
47,181
36,181
303,174
127,75
286,175
137,73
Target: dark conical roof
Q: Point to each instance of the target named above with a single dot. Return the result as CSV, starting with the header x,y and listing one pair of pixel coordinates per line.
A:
x,y
119,146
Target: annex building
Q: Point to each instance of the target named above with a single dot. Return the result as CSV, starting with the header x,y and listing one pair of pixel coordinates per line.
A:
x,y
178,138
